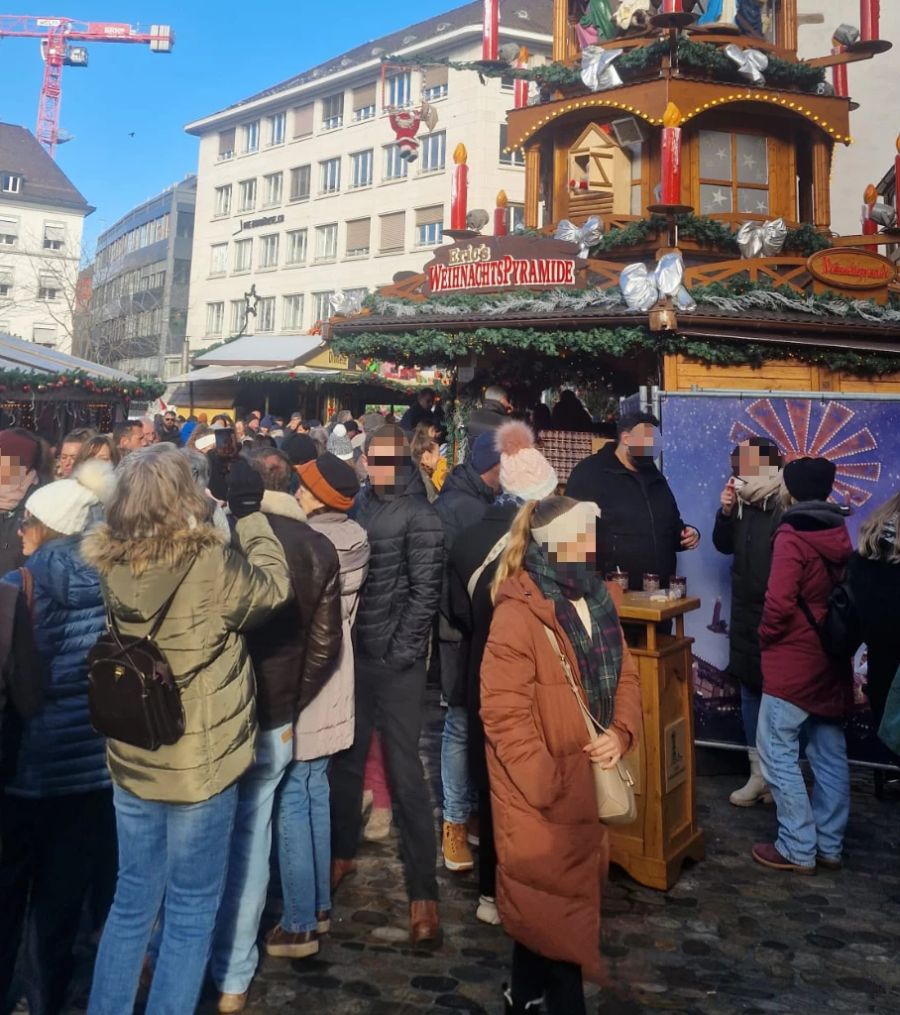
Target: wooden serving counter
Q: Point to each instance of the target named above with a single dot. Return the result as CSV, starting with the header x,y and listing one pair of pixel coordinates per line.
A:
x,y
665,833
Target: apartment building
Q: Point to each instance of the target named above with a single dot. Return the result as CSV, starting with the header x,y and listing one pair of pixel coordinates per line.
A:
x,y
301,189
41,219
137,313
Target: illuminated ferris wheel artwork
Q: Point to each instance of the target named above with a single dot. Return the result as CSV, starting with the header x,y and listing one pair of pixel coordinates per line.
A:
x,y
819,430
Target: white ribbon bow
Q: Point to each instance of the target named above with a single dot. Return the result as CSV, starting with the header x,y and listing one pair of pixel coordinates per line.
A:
x,y
750,63
643,290
762,239
597,71
346,304
585,236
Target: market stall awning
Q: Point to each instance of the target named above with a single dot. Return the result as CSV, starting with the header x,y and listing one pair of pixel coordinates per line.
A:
x,y
259,353
203,374
17,354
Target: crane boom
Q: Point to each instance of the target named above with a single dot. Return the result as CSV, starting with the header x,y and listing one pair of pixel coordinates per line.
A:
x,y
56,35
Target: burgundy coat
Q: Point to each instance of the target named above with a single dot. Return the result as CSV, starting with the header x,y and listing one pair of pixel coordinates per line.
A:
x,y
811,549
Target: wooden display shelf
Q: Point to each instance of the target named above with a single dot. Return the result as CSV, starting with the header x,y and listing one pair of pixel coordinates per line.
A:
x,y
665,834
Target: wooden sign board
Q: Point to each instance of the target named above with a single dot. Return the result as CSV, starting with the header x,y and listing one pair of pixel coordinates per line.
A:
x,y
495,263
846,268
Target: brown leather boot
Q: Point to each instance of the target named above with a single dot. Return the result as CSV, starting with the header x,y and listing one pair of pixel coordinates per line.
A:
x,y
424,924
341,869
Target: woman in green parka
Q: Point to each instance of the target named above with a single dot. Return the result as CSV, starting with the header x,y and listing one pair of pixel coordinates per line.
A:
x,y
175,806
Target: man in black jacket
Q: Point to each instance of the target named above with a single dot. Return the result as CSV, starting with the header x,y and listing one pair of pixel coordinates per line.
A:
x,y
293,655
640,529
397,608
494,412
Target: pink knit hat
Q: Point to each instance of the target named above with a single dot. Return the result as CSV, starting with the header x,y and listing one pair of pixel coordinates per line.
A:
x,y
524,472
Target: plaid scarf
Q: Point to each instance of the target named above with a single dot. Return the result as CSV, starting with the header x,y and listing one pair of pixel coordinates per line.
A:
x,y
599,655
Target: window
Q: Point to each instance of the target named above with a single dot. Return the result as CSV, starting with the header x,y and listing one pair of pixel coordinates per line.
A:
x,y
265,313
272,189
275,125
215,318
395,168
361,169
6,283
223,201
507,83
44,334
303,120
268,251
238,313
429,225
247,190
218,259
333,111
251,136
330,176
399,89
9,232
322,306
48,287
513,158
364,103
516,217
435,84
226,144
292,316
393,230
326,242
54,236
734,173
300,183
434,151
10,183
296,247
358,233
243,255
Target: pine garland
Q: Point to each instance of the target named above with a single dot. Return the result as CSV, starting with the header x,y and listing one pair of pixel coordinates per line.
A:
x,y
31,382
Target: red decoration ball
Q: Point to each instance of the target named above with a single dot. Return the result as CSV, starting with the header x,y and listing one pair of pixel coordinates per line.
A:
x,y
2,387
26,387
291,374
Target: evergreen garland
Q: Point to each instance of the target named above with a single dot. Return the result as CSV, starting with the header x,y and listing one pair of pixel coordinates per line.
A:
x,y
31,382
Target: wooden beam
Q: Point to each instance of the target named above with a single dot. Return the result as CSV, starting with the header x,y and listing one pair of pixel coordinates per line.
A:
x,y
833,59
821,182
532,185
560,30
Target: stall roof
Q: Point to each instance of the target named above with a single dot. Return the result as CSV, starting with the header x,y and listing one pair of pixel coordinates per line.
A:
x,y
261,352
203,374
17,354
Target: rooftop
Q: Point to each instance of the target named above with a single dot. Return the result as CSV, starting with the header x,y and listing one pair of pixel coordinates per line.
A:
x,y
45,183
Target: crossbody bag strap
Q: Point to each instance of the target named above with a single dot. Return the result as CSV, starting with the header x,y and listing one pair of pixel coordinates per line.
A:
x,y
592,723
493,554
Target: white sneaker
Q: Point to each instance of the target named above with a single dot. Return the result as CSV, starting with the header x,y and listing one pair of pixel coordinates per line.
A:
x,y
487,911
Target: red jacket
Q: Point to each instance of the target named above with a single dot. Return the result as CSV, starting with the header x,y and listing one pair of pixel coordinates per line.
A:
x,y
811,548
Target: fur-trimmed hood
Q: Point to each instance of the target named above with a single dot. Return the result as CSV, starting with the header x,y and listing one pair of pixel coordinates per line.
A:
x,y
275,502
104,551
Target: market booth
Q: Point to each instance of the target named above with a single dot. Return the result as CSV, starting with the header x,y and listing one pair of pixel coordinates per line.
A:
x,y
677,242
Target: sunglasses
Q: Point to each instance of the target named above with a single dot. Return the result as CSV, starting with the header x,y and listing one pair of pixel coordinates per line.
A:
x,y
388,460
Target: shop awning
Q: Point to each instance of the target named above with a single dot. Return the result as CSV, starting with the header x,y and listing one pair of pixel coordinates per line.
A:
x,y
17,354
260,352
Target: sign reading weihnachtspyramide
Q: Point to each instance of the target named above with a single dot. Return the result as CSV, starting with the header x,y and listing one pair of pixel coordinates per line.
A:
x,y
848,268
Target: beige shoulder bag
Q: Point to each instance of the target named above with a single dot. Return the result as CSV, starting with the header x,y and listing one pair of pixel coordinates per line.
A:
x,y
614,787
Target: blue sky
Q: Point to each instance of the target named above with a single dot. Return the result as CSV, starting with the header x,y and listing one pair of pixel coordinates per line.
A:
x,y
224,50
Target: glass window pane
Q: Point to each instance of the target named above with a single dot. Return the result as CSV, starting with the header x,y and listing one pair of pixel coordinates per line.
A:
x,y
752,159
752,202
714,199
715,155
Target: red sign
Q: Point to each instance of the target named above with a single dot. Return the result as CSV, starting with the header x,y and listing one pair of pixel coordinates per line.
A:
x,y
845,268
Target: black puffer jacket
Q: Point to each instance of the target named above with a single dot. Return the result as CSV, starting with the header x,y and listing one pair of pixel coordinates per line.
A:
x,y
399,601
294,653
640,526
491,415
11,555
749,540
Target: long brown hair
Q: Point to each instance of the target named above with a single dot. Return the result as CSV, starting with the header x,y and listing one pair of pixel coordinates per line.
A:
x,y
91,449
874,542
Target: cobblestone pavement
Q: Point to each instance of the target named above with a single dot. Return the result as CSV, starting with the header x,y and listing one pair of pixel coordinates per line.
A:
x,y
729,938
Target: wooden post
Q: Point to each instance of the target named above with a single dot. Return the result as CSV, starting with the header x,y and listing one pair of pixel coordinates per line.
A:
x,y
560,31
787,25
821,184
532,185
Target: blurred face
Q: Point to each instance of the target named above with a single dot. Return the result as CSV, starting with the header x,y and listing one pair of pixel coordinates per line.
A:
x,y
426,400
102,452
253,424
387,463
642,444
239,429
580,550
148,434
753,461
67,457
430,458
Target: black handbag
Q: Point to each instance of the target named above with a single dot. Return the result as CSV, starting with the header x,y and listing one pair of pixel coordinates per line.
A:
x,y
132,693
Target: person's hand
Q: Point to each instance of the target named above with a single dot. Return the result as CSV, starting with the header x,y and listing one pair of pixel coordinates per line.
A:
x,y
245,489
606,750
728,498
690,538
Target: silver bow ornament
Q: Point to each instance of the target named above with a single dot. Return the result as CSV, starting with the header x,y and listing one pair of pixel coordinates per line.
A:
x,y
597,71
642,289
762,239
346,304
884,214
585,236
751,63
845,35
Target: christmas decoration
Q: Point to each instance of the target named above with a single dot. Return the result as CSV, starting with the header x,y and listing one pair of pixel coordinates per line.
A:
x,y
762,239
406,123
459,188
346,303
643,290
671,156
585,236
501,211
751,63
597,70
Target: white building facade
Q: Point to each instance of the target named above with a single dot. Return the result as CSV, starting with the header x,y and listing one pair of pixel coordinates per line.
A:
x,y
41,221
302,191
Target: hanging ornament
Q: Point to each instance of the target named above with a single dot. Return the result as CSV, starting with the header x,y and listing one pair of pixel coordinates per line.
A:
x,y
642,289
751,63
597,71
347,304
585,236
762,239
406,123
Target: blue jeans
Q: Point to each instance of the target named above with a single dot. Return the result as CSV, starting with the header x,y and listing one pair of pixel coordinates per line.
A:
x,y
750,701
171,855
235,953
806,827
304,844
455,765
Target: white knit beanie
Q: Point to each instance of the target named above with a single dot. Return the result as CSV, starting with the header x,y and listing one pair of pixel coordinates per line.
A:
x,y
567,527
65,506
524,472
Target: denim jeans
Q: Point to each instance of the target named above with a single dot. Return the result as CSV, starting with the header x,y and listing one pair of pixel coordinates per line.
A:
x,y
172,852
750,701
806,825
235,954
455,765
304,844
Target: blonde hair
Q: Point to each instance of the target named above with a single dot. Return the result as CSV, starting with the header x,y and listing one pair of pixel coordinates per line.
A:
x,y
41,533
155,499
533,514
874,542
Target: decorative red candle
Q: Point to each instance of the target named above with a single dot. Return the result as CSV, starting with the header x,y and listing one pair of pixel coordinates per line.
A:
x,y
489,47
671,155
500,223
869,225
520,88
839,75
672,7
459,188
869,14
897,175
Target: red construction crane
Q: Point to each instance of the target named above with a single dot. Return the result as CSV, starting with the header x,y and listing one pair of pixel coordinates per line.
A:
x,y
57,35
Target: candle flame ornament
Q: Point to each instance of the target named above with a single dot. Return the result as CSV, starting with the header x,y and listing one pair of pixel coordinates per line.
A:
x,y
870,196
672,116
501,223
671,155
459,188
520,88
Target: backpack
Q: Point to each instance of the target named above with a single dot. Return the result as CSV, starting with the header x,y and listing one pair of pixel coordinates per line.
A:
x,y
841,629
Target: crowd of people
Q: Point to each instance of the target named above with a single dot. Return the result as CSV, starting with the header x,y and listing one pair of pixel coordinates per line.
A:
x,y
302,581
